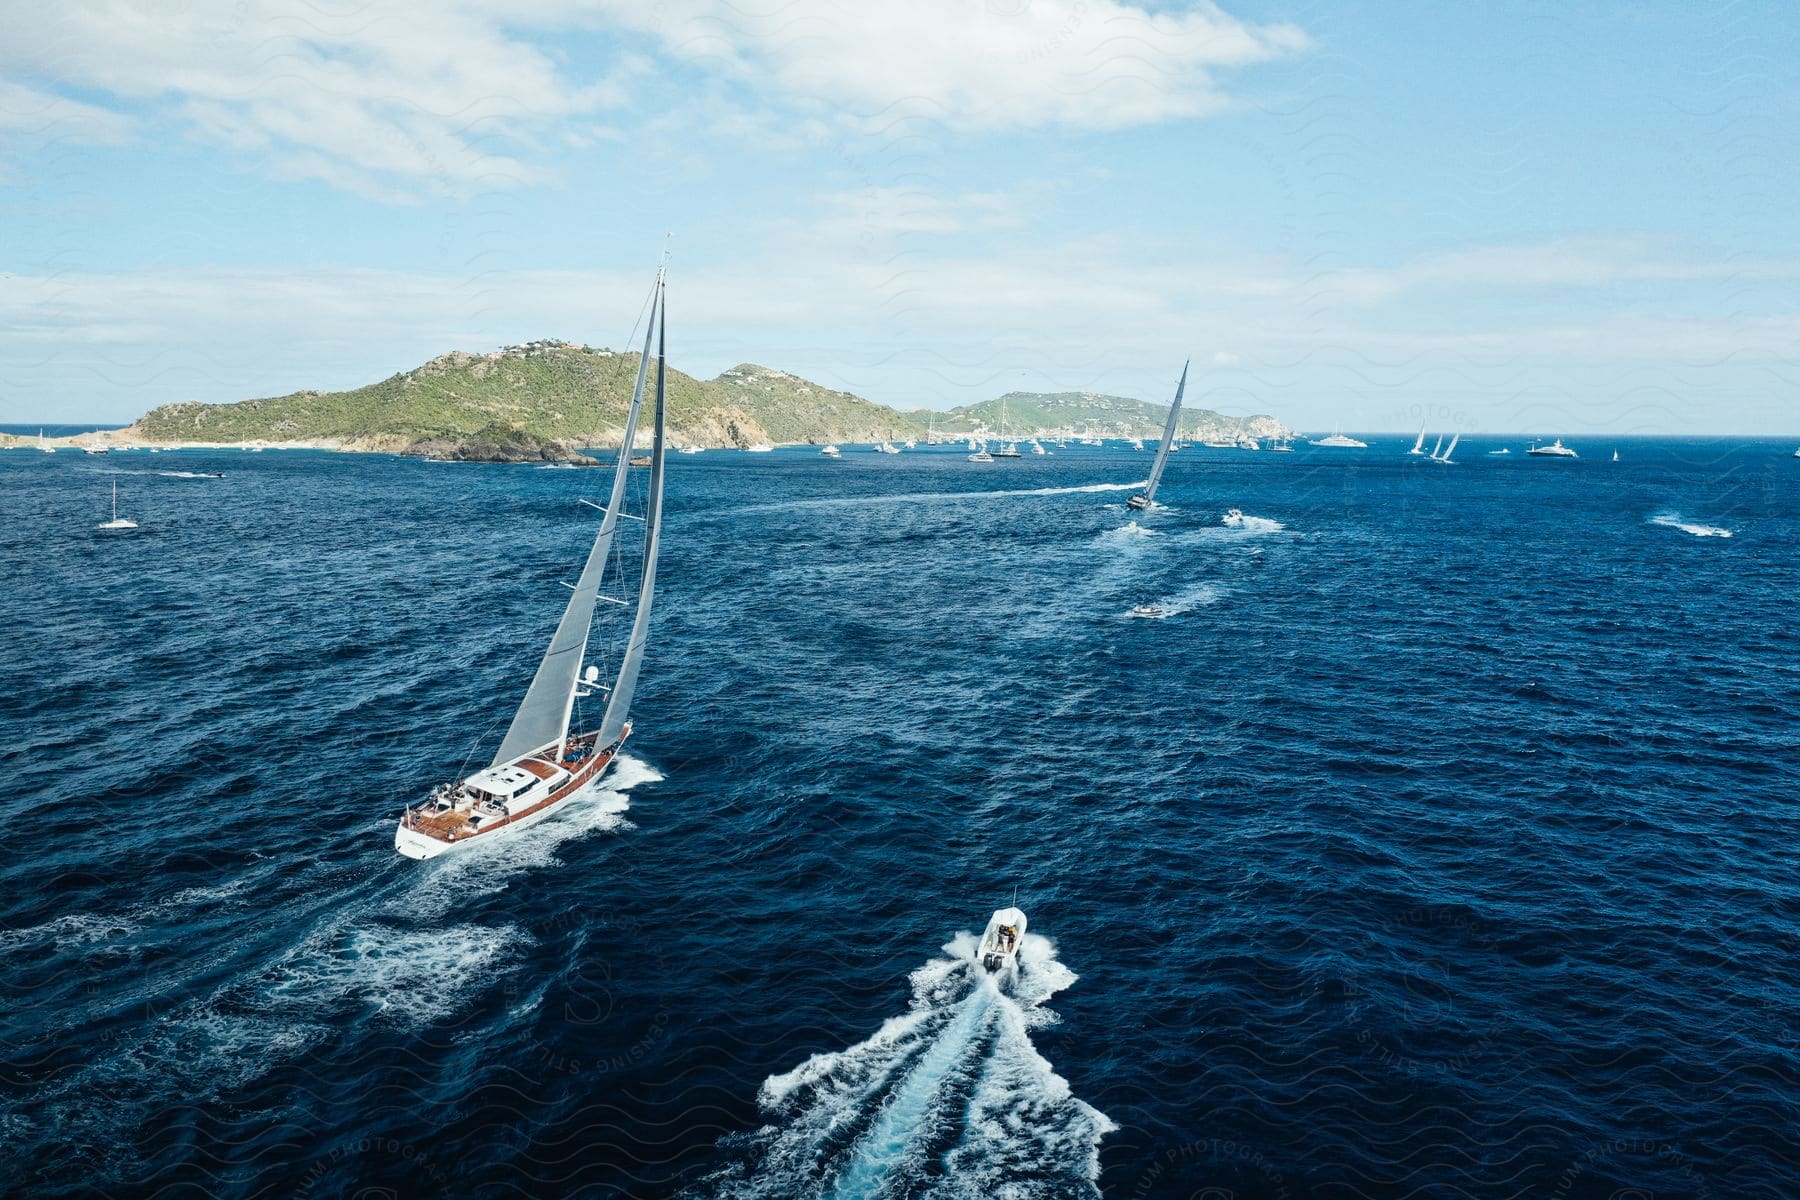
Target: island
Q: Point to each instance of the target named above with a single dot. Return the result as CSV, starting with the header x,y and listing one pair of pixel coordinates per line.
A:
x,y
547,400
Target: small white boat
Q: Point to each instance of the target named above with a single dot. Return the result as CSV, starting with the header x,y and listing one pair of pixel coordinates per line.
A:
x,y
912,444
1149,610
759,448
1233,517
981,455
1615,456
1137,443
886,448
1500,451
690,449
117,521
1000,944
1554,450
831,452
1037,447
52,449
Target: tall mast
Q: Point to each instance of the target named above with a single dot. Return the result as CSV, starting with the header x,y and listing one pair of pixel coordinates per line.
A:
x,y
543,716
618,705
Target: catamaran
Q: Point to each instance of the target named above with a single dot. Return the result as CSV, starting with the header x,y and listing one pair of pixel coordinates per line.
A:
x,y
1147,497
540,764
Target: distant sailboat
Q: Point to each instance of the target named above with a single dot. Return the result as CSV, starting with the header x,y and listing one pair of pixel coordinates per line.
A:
x,y
1147,497
1418,446
1007,449
540,764
47,449
1445,457
1438,449
1616,455
117,521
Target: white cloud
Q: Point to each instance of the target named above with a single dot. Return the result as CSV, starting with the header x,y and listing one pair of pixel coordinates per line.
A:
x,y
1006,64
27,112
414,97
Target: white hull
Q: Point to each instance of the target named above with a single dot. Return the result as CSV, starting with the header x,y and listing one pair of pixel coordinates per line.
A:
x,y
413,844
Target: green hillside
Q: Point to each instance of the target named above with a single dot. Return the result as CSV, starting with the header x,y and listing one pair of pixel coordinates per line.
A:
x,y
577,396
1105,416
574,394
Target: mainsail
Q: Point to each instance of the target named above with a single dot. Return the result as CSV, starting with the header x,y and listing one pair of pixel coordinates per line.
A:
x,y
618,706
543,716
1162,451
1454,438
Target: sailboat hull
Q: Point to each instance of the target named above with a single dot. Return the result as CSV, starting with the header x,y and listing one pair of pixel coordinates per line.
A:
x,y
1137,501
422,835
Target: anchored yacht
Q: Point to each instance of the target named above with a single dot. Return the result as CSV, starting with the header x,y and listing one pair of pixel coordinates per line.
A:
x,y
1554,450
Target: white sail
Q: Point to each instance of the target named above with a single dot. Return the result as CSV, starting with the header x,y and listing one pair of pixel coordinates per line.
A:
x,y
1439,447
1168,439
1454,438
1419,445
543,716
618,706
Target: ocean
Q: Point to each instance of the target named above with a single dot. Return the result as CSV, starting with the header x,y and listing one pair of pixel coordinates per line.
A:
x,y
1435,841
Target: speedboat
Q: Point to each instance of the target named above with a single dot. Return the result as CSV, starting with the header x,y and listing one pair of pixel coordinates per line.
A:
x,y
1234,516
1000,944
760,448
1500,451
1148,610
831,452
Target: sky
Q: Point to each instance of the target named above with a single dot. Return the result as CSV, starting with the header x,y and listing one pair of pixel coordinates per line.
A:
x,y
1510,217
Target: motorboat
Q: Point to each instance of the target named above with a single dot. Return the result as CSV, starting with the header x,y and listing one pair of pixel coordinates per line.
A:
x,y
1554,450
690,450
981,456
831,452
1000,944
760,448
1149,610
117,521
1037,447
887,448
1234,517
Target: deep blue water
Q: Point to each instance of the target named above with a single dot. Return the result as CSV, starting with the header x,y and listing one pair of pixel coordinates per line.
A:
x,y
1439,844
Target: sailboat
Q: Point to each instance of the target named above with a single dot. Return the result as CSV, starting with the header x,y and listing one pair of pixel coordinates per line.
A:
x,y
1147,497
540,764
1419,445
1007,449
117,521
1615,456
47,449
1445,456
1437,449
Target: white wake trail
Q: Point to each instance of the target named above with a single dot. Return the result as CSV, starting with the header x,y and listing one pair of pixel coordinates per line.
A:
x,y
1674,520
949,1100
